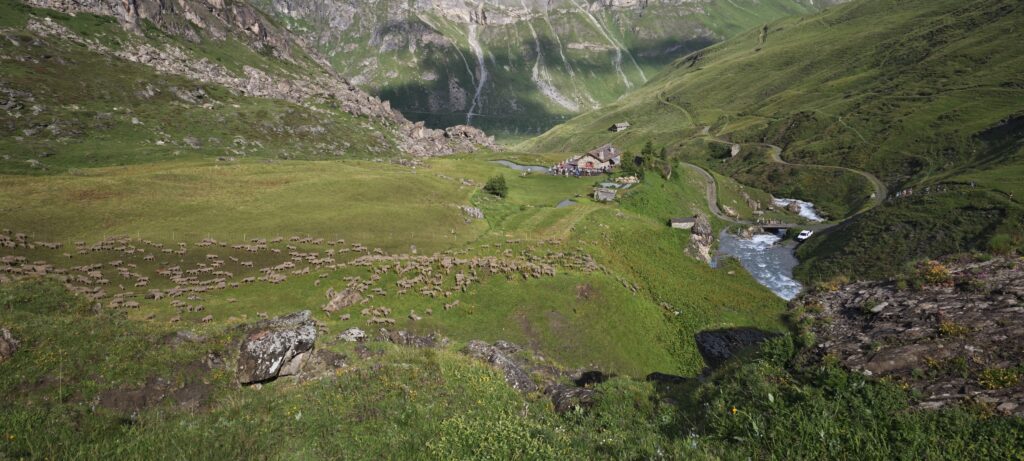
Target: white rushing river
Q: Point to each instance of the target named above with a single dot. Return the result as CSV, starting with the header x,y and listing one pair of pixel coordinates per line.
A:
x,y
807,209
770,263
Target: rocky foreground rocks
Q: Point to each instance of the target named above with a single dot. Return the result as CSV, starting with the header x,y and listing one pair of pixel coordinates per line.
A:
x,y
500,356
702,237
520,368
958,337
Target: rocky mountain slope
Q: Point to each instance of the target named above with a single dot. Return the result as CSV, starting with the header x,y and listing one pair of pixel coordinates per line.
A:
x,y
513,66
153,76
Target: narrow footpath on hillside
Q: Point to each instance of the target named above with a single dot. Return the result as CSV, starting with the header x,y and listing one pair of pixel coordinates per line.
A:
x,y
712,195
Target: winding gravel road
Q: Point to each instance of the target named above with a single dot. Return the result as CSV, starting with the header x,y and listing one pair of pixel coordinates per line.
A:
x,y
879,195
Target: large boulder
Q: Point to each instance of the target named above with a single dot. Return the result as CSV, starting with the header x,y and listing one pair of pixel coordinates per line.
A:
x,y
568,398
702,239
719,346
8,345
276,347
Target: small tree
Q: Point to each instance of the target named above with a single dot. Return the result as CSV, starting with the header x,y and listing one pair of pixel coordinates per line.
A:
x,y
648,150
496,186
633,165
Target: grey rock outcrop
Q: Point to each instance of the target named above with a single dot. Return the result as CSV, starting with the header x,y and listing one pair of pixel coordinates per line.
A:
x,y
528,373
500,355
568,398
275,348
961,340
352,335
702,238
8,345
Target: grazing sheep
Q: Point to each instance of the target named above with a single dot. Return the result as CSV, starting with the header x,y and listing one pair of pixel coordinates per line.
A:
x,y
175,319
207,319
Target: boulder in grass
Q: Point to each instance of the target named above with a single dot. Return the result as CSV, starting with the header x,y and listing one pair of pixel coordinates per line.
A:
x,y
569,398
276,347
352,335
8,345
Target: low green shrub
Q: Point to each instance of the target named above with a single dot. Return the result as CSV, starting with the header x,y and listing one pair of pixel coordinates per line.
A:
x,y
496,186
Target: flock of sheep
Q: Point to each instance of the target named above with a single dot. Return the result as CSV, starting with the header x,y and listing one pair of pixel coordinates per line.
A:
x,y
183,277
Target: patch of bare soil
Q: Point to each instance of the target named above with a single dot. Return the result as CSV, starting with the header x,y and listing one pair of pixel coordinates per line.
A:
x,y
585,292
532,337
194,392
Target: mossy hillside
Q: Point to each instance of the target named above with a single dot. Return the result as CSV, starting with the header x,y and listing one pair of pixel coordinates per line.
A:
x,y
413,404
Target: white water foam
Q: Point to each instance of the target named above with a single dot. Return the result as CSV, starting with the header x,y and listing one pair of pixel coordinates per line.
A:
x,y
770,264
807,209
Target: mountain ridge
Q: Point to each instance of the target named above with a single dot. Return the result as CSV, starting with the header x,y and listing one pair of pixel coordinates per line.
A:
x,y
542,61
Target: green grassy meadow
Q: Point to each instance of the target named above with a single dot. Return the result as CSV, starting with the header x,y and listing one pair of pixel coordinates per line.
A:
x,y
401,210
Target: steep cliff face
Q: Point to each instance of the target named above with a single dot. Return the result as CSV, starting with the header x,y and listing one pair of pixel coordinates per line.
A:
x,y
269,63
515,66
